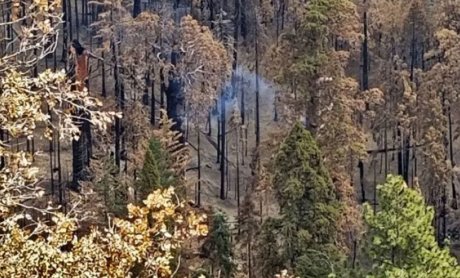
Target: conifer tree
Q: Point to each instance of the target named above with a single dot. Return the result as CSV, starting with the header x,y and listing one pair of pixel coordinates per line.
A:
x,y
219,246
400,241
156,172
269,258
113,192
309,208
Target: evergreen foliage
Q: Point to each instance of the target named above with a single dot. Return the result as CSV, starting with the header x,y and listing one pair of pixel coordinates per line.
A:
x,y
219,245
309,208
113,192
401,239
156,172
268,249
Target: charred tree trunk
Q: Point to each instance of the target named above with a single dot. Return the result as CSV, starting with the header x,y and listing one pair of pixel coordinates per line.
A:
x,y
198,198
219,132
81,147
77,22
79,159
162,89
104,90
69,19
236,26
65,32
257,84
175,98
145,95
137,9
454,204
222,144
365,87
152,101
118,93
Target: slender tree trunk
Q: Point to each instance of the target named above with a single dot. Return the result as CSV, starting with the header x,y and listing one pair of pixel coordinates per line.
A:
x,y
162,89
385,143
257,84
104,89
235,45
451,153
65,31
211,13
118,89
84,12
77,22
250,258
51,153
59,167
145,95
209,123
219,134
69,18
199,168
237,187
152,104
400,151
2,158
365,87
222,144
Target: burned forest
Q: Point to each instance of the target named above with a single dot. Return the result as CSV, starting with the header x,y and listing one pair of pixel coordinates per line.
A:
x,y
229,138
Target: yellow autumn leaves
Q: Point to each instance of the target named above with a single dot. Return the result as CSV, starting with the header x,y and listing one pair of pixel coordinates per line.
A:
x,y
52,246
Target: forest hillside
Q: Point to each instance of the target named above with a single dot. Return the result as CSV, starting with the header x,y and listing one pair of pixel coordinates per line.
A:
x,y
229,138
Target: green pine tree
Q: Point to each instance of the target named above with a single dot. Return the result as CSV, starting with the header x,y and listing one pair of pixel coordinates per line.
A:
x,y
268,255
219,246
309,208
400,241
156,172
111,189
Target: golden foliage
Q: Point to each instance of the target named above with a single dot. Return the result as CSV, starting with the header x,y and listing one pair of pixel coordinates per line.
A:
x,y
35,31
41,242
150,237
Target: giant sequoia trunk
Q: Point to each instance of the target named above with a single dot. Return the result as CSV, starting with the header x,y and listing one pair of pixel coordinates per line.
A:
x,y
81,148
79,160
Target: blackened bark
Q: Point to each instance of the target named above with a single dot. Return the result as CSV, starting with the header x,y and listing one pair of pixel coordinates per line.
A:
x,y
454,204
175,98
152,102
69,19
65,31
199,168
104,90
118,97
162,89
222,145
365,87
400,151
211,13
145,96
77,22
257,85
79,159
219,133
137,9
236,26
